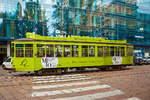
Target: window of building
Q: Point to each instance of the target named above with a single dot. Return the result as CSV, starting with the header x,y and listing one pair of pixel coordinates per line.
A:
x,y
67,51
91,51
40,50
112,51
106,51
74,51
84,51
19,50
28,50
49,51
58,50
100,51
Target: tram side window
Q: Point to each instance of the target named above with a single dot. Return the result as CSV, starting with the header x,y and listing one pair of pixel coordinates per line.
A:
x,y
100,51
129,51
67,51
12,49
28,50
112,53
106,51
84,51
91,51
40,50
122,51
116,51
74,51
49,51
58,50
19,50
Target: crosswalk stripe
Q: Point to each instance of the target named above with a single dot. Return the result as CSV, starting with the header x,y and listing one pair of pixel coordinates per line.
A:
x,y
75,75
81,89
63,85
93,96
132,98
50,80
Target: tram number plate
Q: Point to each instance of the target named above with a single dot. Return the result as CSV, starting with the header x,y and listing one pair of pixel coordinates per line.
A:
x,y
49,62
117,60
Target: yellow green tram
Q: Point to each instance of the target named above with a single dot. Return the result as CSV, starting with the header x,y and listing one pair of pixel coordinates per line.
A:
x,y
45,54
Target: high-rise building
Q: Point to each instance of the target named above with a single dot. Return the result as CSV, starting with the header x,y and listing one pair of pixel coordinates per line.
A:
x,y
111,19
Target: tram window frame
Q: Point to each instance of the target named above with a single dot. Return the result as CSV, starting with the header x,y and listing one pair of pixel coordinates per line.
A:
x,y
12,49
91,51
58,51
67,53
28,50
122,50
112,51
75,50
106,51
19,50
100,52
84,51
49,50
40,50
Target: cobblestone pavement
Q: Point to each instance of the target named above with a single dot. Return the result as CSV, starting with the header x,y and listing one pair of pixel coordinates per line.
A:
x,y
132,83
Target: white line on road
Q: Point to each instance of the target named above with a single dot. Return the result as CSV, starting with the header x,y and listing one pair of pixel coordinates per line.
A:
x,y
49,80
64,85
133,98
82,89
93,96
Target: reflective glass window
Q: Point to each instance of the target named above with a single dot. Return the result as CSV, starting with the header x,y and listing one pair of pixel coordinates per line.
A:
x,y
74,51
19,50
49,50
40,50
58,50
28,50
91,51
106,51
84,51
100,51
67,51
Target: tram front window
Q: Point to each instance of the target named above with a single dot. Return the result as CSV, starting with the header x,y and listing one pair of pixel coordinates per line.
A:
x,y
19,50
28,50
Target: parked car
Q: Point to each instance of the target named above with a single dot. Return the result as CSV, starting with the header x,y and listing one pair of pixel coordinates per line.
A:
x,y
147,60
7,64
138,60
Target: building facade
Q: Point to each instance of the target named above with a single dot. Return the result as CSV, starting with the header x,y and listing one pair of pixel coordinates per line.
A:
x,y
111,19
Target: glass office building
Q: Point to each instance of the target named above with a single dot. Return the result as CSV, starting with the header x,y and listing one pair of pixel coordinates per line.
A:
x,y
111,19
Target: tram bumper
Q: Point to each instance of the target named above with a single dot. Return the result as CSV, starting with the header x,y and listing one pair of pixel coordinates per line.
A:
x,y
4,67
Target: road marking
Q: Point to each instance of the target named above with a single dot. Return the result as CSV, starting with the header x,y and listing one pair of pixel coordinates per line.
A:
x,y
133,98
93,96
58,80
81,89
74,75
63,85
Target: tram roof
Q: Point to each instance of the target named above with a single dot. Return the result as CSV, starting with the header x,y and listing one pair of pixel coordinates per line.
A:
x,y
33,36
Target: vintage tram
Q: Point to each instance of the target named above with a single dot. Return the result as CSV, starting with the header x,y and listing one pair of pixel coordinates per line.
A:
x,y
43,54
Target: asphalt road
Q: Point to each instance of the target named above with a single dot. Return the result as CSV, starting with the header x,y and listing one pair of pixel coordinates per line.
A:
x,y
131,83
